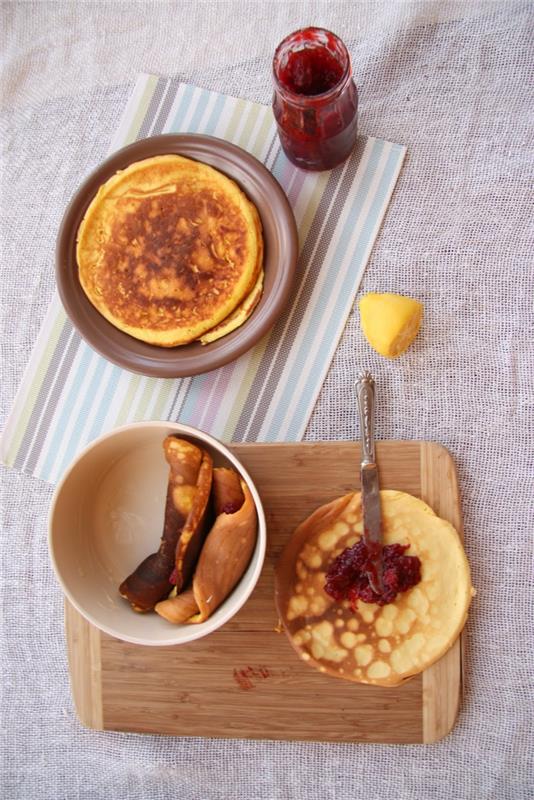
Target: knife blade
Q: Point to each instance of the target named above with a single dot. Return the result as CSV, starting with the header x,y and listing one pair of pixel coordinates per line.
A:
x,y
372,522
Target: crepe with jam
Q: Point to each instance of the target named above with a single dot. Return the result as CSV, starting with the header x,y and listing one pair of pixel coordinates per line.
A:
x,y
168,249
369,642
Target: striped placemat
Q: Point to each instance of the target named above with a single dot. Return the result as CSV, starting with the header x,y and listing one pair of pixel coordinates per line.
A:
x,y
70,395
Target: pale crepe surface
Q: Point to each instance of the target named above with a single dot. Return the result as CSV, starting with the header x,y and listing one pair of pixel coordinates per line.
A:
x,y
378,645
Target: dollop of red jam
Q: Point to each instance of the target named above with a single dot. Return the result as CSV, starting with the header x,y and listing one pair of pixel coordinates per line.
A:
x,y
173,577
347,579
311,71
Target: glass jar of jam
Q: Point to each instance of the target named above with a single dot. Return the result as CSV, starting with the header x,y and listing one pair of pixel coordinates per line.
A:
x,y
315,100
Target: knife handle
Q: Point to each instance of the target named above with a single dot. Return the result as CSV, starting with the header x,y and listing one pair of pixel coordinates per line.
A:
x,y
365,394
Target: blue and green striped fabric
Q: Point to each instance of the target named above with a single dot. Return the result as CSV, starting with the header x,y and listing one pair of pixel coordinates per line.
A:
x,y
70,395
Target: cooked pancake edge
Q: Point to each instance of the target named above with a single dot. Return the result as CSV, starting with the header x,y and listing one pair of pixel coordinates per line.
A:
x,y
378,645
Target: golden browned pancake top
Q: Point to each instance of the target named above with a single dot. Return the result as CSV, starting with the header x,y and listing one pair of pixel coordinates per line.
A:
x,y
168,248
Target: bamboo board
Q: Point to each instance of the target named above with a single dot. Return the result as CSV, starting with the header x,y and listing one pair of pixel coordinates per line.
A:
x,y
245,680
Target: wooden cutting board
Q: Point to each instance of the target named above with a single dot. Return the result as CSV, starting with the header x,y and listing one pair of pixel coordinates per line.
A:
x,y
245,680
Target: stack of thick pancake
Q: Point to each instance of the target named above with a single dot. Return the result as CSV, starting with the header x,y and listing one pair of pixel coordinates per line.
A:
x,y
170,251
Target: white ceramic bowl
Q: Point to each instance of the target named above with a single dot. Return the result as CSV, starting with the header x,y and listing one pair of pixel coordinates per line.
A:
x,y
107,516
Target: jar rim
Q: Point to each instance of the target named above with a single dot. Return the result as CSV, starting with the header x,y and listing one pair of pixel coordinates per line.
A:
x,y
307,99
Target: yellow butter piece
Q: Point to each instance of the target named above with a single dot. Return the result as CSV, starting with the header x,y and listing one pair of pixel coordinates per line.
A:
x,y
390,322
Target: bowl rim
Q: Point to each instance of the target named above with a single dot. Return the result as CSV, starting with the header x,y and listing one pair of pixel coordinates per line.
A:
x,y
178,362
193,631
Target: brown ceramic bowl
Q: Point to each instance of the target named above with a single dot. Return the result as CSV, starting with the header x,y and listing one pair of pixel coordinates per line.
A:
x,y
281,251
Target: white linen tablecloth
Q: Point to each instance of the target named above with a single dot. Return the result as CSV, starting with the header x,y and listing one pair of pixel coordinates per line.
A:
x,y
451,82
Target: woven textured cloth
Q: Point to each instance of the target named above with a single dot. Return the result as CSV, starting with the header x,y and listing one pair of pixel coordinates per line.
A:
x,y
71,395
451,82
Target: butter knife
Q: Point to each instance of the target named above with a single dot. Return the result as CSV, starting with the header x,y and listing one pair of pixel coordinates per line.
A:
x,y
372,525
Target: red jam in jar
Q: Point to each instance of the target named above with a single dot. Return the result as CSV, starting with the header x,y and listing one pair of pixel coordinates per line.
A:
x,y
315,100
